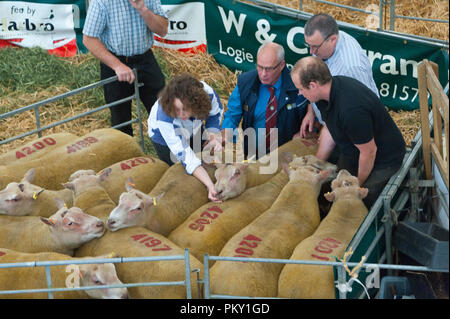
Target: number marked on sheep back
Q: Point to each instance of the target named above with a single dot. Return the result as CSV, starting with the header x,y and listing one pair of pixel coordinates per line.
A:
x,y
28,150
199,224
149,241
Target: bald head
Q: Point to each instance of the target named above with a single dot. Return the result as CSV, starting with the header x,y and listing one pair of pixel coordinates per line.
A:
x,y
311,69
270,62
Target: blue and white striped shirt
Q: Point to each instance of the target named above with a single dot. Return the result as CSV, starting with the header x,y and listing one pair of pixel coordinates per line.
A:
x,y
349,59
119,26
175,133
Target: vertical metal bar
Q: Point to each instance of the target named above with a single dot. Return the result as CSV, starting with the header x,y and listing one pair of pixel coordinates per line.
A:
x,y
206,275
188,274
300,5
38,121
341,281
138,107
49,281
380,15
387,219
392,16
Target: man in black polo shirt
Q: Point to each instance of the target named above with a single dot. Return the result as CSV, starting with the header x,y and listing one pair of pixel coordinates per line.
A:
x,y
371,145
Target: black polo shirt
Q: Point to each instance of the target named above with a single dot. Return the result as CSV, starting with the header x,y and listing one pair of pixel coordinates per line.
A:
x,y
355,115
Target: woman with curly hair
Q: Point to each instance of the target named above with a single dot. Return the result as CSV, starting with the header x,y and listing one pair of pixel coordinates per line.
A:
x,y
186,106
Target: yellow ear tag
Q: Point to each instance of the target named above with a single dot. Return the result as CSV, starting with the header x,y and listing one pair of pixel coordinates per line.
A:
x,y
111,255
65,205
154,201
35,195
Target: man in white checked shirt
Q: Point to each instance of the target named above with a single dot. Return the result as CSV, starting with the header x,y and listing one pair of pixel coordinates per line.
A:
x,y
341,53
120,34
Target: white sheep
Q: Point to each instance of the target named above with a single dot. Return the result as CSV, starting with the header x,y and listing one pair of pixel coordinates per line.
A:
x,y
233,178
135,208
274,234
26,199
64,231
36,148
329,241
209,228
89,194
62,276
140,242
95,150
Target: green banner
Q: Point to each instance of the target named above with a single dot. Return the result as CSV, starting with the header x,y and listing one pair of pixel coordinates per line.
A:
x,y
235,30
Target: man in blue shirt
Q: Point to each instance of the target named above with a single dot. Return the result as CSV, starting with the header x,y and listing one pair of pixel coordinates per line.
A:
x,y
341,53
120,34
250,99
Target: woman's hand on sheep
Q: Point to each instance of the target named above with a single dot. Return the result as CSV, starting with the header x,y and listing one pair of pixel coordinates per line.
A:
x,y
212,195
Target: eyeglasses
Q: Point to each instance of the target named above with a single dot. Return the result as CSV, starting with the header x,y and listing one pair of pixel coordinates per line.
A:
x,y
317,47
267,68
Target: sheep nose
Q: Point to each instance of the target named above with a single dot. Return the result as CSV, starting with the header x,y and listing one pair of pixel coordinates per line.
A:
x,y
100,224
111,222
125,296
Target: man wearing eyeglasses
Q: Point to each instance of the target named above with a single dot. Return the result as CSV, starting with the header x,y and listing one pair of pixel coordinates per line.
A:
x,y
265,98
341,53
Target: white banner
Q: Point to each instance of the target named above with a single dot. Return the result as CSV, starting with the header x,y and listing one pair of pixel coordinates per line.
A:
x,y
187,27
27,24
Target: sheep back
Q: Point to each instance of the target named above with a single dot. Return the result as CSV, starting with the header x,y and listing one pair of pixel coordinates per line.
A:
x,y
34,277
209,228
274,234
146,171
141,242
36,148
330,239
95,150
183,194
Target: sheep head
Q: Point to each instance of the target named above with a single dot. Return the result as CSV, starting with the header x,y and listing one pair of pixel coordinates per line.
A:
x,y
346,186
71,227
82,180
101,275
133,209
231,180
18,198
311,160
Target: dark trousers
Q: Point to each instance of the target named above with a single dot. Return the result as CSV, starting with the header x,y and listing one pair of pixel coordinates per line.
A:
x,y
149,73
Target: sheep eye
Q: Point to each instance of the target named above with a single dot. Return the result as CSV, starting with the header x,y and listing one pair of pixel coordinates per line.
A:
x,y
69,223
98,282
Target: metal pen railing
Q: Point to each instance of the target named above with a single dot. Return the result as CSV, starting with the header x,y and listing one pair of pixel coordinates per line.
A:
x,y
50,290
37,105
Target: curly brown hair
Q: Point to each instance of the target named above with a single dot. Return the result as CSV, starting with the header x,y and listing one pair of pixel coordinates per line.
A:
x,y
190,92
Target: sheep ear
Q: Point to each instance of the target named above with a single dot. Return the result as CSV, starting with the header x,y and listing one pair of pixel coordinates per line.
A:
x,y
29,176
48,221
363,192
60,203
129,185
153,200
242,166
286,168
105,173
324,174
288,157
329,196
69,185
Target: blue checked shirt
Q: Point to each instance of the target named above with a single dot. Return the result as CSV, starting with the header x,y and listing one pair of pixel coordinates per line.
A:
x,y
119,26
